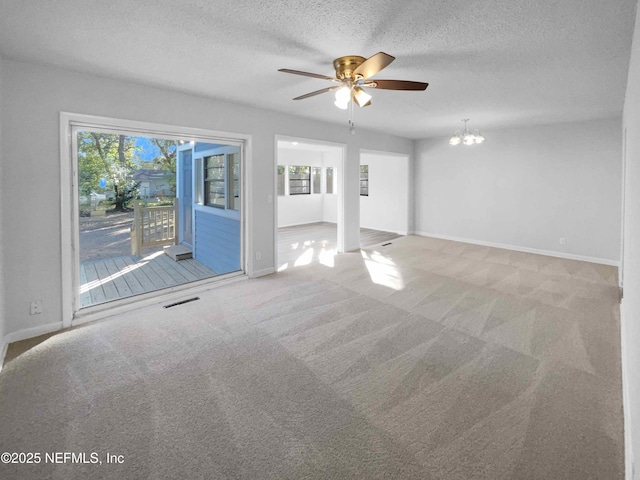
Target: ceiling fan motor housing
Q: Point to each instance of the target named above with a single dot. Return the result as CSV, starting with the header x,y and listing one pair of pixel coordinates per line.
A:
x,y
345,66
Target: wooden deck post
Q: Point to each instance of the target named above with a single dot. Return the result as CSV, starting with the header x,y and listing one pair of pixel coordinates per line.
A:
x,y
137,224
133,236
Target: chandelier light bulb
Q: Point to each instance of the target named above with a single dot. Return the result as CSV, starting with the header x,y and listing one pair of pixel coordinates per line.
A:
x,y
467,137
455,140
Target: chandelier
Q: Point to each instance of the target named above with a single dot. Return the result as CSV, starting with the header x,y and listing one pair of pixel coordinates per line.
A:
x,y
466,136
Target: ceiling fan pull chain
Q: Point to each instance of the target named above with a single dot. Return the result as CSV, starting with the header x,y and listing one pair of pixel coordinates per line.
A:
x,y
352,127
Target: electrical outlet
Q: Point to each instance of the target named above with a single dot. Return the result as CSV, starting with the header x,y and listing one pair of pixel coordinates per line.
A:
x,y
563,241
258,255
36,307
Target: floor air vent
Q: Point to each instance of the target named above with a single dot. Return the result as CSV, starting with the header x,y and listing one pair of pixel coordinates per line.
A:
x,y
385,244
182,302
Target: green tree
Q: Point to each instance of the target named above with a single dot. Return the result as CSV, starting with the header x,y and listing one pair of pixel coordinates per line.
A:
x,y
166,160
112,157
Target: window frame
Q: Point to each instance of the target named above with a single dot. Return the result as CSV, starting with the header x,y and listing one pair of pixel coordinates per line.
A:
x,y
316,174
364,180
207,181
329,182
302,181
231,180
234,179
281,175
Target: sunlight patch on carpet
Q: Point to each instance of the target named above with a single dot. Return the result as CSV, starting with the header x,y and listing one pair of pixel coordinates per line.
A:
x,y
383,270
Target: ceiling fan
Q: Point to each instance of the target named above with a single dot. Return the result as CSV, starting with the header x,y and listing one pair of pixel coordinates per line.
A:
x,y
353,76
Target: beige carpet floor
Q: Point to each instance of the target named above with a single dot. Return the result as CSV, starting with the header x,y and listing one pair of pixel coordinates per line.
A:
x,y
423,359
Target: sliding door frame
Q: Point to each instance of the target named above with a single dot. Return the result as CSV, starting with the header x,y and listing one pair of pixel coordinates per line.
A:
x,y
69,123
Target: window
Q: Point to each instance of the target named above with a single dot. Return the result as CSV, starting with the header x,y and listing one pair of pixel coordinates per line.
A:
x,y
329,179
234,181
214,188
299,180
280,180
364,180
317,179
221,181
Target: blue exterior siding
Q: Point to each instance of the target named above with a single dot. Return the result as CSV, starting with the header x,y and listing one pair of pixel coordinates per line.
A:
x,y
217,242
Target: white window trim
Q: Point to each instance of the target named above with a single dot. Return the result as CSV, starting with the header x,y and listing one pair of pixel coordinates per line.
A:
x,y
199,158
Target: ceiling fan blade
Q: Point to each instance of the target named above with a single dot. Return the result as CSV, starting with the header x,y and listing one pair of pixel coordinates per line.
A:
x,y
396,85
317,92
373,65
307,74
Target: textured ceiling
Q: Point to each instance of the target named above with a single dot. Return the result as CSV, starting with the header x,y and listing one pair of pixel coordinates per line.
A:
x,y
501,63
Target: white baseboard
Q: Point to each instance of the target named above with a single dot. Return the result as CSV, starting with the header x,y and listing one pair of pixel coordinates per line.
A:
x,y
25,334
3,353
304,223
549,253
626,404
397,232
32,332
263,272
351,248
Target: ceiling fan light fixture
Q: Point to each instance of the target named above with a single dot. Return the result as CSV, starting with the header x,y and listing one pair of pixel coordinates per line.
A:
x,y
479,138
343,95
361,97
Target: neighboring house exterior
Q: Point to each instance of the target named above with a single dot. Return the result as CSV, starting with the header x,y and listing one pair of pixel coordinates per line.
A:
x,y
154,183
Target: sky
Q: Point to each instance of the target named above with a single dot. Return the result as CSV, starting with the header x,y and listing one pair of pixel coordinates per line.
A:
x,y
149,151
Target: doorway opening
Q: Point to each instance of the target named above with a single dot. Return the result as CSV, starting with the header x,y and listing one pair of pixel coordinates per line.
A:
x,y
151,210
384,197
309,202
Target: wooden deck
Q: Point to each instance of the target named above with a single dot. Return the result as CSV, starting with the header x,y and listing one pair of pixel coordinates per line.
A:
x,y
114,278
317,242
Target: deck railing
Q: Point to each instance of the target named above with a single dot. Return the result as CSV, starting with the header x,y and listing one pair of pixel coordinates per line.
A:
x,y
154,226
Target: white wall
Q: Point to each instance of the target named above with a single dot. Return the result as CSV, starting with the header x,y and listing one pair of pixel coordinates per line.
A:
x,y
300,209
3,250
631,261
526,188
386,207
34,96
